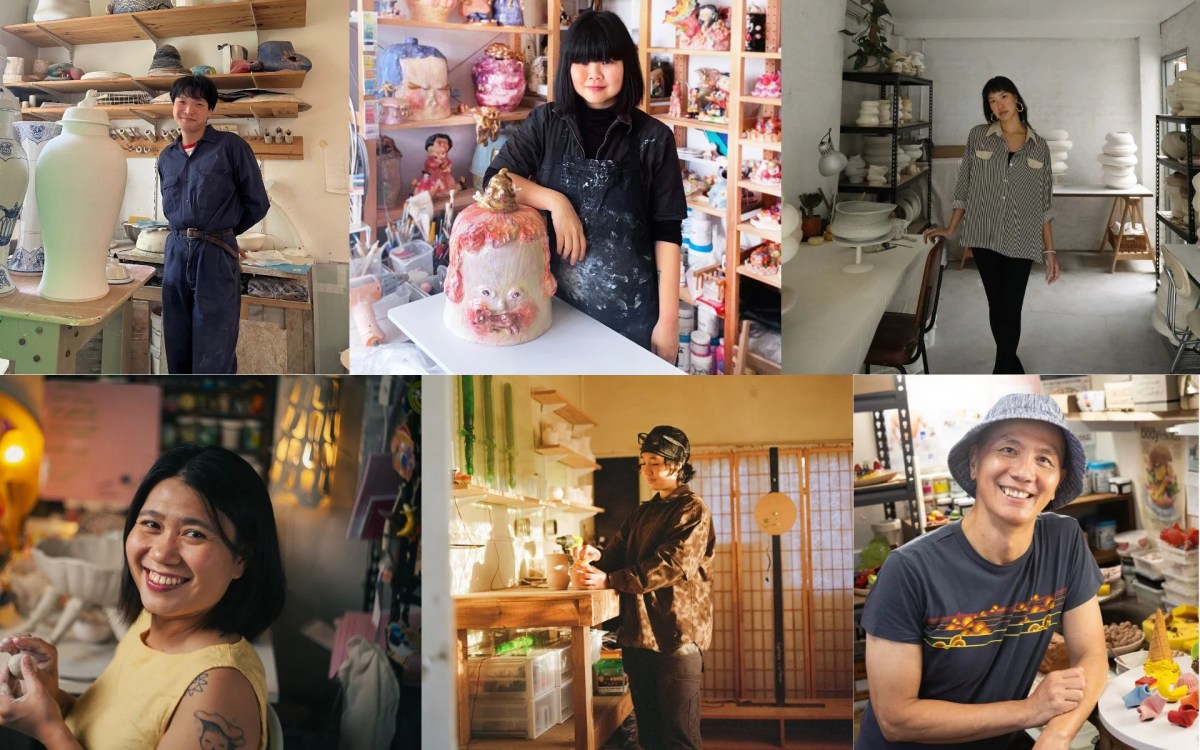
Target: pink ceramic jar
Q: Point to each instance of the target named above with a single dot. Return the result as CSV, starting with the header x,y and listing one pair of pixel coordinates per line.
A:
x,y
499,78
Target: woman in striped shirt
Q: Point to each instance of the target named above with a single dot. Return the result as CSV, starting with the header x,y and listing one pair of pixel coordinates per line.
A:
x,y
1002,202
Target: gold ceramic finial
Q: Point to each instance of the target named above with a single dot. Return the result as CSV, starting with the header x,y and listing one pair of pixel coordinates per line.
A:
x,y
500,194
501,51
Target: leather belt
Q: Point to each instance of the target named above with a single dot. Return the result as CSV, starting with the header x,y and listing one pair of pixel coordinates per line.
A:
x,y
216,238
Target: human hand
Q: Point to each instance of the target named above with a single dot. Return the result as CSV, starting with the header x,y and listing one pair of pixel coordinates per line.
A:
x,y
45,656
568,231
34,712
664,339
587,554
1052,270
1058,693
588,577
933,233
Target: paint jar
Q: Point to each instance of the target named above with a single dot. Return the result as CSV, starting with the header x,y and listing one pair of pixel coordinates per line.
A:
x,y
700,344
708,321
687,318
926,487
941,486
231,433
964,504
889,530
701,364
683,355
1104,535
1099,472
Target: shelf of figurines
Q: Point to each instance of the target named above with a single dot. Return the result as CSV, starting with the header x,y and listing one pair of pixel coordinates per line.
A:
x,y
273,150
520,113
697,124
487,28
863,187
761,263
282,79
686,52
154,25
154,113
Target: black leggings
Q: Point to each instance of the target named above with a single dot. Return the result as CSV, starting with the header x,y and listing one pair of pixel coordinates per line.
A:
x,y
1004,281
666,696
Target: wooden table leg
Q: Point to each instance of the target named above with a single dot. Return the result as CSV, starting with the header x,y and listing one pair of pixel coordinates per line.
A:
x,y
585,725
38,348
114,347
1108,227
464,692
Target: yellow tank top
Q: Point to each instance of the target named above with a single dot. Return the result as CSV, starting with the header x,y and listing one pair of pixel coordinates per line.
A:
x,y
131,703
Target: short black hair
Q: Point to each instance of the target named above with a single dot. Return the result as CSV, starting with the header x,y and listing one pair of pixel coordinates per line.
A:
x,y
999,85
599,36
229,487
433,139
195,87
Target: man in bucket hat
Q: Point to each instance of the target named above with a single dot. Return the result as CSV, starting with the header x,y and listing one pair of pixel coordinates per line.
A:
x,y
660,562
959,619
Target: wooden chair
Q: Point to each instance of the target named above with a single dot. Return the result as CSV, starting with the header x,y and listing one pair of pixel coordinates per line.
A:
x,y
900,337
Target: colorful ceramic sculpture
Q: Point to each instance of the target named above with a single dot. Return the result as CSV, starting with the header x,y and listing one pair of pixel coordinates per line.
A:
x,y
276,56
769,86
1151,707
499,77
14,166
430,10
415,78
1159,663
80,186
499,285
1134,697
437,177
476,11
700,25
508,12
30,256
489,139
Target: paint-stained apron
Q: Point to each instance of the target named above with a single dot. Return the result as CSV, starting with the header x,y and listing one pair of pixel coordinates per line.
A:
x,y
616,282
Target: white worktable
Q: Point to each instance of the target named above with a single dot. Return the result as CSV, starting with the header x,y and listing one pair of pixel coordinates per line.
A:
x,y
1100,191
575,345
830,328
1123,723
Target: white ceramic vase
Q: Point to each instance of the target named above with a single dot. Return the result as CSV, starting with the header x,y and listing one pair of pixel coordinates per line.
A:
x,y
80,187
57,10
29,257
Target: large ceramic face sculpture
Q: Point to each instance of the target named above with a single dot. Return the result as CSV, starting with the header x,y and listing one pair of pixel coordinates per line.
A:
x,y
499,286
499,78
415,78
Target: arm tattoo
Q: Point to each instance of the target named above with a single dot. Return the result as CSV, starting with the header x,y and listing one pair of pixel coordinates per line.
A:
x,y
198,684
219,733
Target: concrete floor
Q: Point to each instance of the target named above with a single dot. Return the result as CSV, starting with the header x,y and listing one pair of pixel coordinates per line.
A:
x,y
1089,322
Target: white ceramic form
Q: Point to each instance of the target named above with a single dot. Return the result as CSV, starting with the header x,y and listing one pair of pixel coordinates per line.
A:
x,y
1119,160
57,10
80,186
87,569
29,257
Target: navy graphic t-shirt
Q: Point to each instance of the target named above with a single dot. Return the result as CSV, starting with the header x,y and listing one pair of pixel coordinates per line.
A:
x,y
983,628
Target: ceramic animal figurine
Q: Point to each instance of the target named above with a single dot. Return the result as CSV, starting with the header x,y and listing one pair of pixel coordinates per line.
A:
x,y
276,56
498,284
136,6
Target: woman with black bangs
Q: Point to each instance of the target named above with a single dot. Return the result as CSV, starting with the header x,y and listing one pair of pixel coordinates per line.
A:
x,y
607,176
202,577
1004,184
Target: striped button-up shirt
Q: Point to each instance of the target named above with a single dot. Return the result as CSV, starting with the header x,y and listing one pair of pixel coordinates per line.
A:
x,y
1007,200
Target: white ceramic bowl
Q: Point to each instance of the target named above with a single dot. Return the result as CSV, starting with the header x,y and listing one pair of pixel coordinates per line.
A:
x,y
1056,135
87,566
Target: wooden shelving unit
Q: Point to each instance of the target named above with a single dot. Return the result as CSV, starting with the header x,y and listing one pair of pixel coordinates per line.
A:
x,y
283,79
1187,229
739,118
155,113
559,404
367,103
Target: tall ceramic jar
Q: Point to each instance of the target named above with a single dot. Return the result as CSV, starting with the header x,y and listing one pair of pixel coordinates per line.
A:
x,y
14,167
80,187
29,258
499,78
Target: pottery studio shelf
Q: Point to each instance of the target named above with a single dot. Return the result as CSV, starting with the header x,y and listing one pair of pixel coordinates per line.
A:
x,y
484,496
560,405
486,28
153,113
687,122
1179,228
293,151
770,279
284,79
567,457
520,113
884,129
155,25
862,187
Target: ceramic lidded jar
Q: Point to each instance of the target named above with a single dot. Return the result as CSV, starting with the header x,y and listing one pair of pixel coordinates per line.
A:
x,y
80,186
29,257
499,285
507,12
413,78
57,10
499,77
14,168
430,10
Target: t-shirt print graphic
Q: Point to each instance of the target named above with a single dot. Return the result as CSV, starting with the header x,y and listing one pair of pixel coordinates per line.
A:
x,y
1041,612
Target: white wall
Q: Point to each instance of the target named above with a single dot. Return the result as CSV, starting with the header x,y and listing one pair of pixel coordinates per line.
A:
x,y
1182,30
320,217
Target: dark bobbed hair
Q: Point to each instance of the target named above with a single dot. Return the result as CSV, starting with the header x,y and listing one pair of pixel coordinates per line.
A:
x,y
598,36
195,87
229,487
999,85
434,138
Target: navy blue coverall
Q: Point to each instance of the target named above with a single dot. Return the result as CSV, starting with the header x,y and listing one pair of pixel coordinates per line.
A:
x,y
219,190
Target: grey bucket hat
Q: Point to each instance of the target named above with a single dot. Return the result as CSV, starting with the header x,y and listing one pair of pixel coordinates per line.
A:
x,y
1024,406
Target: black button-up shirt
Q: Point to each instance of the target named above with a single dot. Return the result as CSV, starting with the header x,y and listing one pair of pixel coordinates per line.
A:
x,y
217,188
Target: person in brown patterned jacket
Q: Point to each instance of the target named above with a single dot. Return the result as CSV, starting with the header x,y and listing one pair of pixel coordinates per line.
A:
x,y
660,562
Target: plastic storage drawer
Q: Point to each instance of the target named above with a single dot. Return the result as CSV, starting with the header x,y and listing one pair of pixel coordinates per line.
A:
x,y
566,700
562,668
515,676
498,716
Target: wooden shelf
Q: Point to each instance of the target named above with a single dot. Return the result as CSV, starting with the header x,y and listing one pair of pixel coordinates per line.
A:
x,y
1098,498
1132,416
157,112
703,207
293,151
762,55
687,122
155,25
688,51
486,496
768,279
520,113
775,146
567,457
287,79
559,404
587,510
775,235
763,100
485,28
775,190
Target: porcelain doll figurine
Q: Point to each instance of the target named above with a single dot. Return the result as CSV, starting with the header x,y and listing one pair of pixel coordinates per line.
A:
x,y
476,11
676,108
438,166
498,283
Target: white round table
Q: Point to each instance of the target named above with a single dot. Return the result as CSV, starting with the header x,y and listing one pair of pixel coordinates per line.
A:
x,y
1123,723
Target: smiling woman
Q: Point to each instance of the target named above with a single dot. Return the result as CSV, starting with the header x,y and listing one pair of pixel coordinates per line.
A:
x,y
202,578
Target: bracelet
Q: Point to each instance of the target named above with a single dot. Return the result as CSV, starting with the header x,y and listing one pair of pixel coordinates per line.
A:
x,y
1047,252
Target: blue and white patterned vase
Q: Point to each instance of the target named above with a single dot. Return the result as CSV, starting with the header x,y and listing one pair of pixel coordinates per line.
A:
x,y
14,166
29,257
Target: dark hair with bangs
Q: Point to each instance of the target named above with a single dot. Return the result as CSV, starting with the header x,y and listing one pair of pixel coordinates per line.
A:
x,y
195,87
598,36
229,487
1002,85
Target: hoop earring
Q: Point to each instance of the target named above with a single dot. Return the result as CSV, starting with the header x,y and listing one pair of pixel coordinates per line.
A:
x,y
992,117
1020,106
